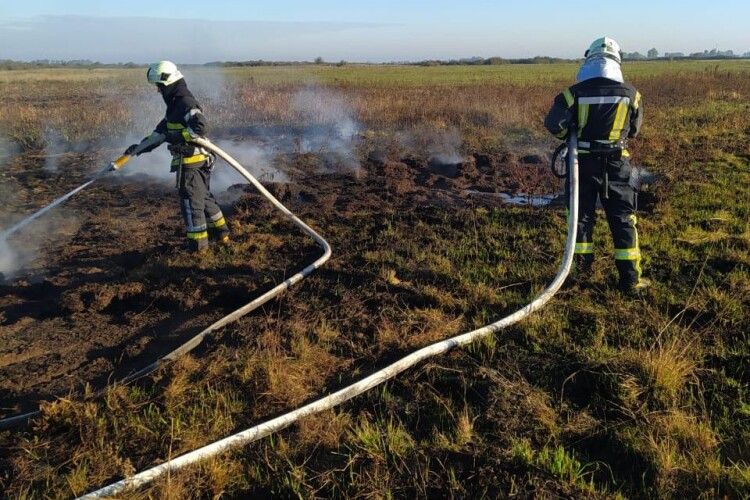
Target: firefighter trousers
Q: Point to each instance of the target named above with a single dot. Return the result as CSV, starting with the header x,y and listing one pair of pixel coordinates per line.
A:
x,y
606,178
200,212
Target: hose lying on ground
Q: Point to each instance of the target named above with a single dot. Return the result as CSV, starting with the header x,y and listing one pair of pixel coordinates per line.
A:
x,y
259,431
193,342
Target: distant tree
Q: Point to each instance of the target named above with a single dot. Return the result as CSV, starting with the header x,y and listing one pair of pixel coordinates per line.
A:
x,y
319,60
633,55
652,54
341,63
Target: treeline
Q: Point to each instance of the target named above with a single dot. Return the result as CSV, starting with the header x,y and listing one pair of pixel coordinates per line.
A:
x,y
50,63
259,62
490,61
651,55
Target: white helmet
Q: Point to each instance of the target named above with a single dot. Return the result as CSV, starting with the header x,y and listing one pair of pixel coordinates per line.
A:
x,y
606,47
163,73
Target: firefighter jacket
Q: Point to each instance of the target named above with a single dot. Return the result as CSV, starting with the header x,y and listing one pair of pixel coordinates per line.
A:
x,y
604,112
184,121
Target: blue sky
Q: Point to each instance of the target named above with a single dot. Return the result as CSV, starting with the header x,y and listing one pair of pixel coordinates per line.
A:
x,y
386,30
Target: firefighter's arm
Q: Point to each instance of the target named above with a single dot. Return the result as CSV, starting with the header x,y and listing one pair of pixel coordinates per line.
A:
x,y
195,126
150,142
560,115
196,123
636,115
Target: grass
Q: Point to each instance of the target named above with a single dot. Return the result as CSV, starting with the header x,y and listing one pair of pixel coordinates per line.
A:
x,y
595,396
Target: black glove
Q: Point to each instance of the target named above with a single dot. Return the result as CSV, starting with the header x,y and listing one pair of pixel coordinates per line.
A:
x,y
131,149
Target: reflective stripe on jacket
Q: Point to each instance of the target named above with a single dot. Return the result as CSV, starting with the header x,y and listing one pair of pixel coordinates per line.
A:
x,y
605,113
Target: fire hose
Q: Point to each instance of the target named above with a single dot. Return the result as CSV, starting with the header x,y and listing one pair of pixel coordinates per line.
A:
x,y
276,424
193,342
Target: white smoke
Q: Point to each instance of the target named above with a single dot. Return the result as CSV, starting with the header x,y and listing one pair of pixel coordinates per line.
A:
x,y
25,250
332,129
440,145
209,85
55,145
8,256
8,149
8,261
257,158
327,128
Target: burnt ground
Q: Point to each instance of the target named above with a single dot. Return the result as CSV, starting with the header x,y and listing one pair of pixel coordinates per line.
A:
x,y
111,288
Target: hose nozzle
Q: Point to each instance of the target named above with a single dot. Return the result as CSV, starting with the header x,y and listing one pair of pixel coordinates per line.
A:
x,y
119,163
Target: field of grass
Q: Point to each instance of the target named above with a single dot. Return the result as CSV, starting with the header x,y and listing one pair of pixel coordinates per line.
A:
x,y
597,395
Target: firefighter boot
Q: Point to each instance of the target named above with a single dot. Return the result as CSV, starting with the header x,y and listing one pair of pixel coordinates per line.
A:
x,y
197,245
218,230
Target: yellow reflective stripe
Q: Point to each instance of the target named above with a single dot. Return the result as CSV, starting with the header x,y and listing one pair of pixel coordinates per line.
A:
x,y
175,126
625,153
186,135
194,159
189,159
218,223
634,221
637,100
197,236
584,248
627,253
619,123
568,95
583,116
562,134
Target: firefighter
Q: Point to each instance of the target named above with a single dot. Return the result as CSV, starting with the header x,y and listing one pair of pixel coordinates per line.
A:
x,y
184,121
605,111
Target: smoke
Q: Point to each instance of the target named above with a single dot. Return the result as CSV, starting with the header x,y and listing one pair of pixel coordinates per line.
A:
x,y
57,146
11,261
441,146
8,259
447,149
8,149
256,157
331,129
24,250
325,126
8,256
209,85
54,146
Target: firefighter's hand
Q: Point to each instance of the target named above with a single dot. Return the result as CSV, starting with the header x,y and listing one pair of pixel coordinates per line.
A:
x,y
131,149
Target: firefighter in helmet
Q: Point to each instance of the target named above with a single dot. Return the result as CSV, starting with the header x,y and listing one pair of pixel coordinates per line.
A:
x,y
604,111
184,121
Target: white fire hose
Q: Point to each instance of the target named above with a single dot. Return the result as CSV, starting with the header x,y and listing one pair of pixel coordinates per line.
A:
x,y
259,431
